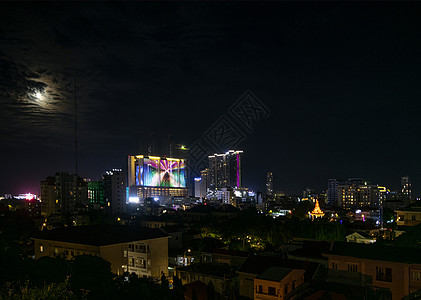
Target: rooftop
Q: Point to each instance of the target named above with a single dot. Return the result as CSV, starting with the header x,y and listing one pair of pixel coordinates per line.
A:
x,y
377,252
100,235
274,274
212,269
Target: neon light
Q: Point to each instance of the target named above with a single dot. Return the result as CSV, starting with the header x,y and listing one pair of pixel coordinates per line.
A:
x,y
238,170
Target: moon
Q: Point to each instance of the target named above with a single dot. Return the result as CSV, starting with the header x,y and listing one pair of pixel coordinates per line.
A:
x,y
38,95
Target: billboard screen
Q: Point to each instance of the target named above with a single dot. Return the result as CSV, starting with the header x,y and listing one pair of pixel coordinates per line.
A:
x,y
139,173
156,171
150,172
182,174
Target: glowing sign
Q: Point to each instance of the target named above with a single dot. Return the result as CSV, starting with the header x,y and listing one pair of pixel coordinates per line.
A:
x,y
133,200
156,171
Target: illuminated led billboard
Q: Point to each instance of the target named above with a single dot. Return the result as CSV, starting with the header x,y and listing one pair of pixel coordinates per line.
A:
x,y
157,171
151,171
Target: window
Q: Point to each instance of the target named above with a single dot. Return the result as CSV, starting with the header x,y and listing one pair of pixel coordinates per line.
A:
x,y
416,276
334,266
384,274
413,218
272,291
260,290
293,285
41,248
352,268
286,289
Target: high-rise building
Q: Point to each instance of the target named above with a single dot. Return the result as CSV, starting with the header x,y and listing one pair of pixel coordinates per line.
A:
x,y
406,189
152,176
64,193
225,170
332,192
359,195
115,191
332,188
204,183
197,186
269,184
96,195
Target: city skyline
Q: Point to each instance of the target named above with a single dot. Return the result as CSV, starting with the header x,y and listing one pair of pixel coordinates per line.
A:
x,y
340,81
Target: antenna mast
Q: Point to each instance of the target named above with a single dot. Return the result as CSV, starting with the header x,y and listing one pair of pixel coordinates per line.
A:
x,y
76,165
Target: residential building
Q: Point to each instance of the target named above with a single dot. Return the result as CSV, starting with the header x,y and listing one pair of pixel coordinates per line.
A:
x,y
408,217
225,170
222,276
96,195
352,195
115,191
394,270
141,250
256,265
360,237
277,282
64,193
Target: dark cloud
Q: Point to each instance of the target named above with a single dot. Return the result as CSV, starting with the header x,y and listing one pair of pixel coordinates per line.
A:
x,y
341,81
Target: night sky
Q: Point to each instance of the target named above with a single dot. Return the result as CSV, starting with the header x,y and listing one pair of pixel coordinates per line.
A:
x,y
342,82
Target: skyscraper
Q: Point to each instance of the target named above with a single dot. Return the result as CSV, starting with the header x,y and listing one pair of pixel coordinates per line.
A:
x,y
332,192
204,183
269,184
225,170
406,189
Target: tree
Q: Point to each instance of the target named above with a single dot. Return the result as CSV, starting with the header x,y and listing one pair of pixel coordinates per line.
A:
x,y
210,291
91,275
178,289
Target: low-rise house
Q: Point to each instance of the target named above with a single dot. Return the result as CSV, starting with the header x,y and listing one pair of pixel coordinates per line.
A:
x,y
223,278
141,250
230,257
409,216
256,265
360,237
277,282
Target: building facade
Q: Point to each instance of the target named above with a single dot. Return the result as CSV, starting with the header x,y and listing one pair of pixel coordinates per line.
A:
x,y
152,176
122,246
277,282
225,170
115,191
269,184
96,195
359,195
406,189
376,267
64,193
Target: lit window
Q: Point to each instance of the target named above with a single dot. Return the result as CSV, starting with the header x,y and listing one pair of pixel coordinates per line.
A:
x,y
41,248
